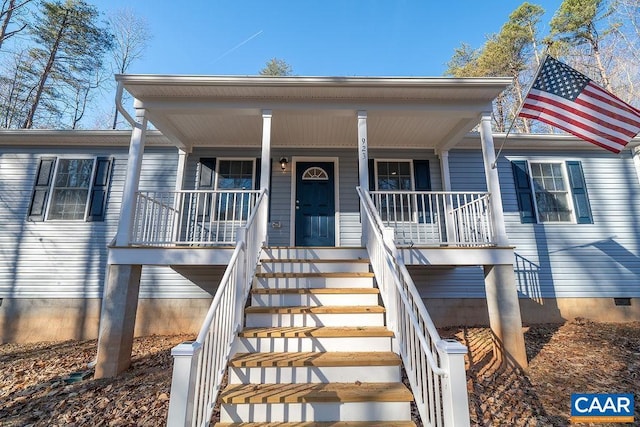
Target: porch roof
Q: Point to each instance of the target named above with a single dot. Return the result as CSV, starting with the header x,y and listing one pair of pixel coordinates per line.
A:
x,y
434,113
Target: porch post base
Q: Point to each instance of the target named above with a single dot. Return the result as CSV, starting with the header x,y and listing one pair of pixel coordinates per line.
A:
x,y
504,313
118,320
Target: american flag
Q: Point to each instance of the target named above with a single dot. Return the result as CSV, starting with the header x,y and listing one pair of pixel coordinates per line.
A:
x,y
569,100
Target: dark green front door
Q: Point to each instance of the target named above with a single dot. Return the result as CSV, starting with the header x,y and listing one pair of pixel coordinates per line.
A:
x,y
315,204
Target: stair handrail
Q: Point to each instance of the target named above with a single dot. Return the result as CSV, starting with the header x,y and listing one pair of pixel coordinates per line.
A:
x,y
439,385
199,365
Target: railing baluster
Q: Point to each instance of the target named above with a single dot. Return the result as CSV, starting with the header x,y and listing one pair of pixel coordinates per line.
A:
x,y
435,371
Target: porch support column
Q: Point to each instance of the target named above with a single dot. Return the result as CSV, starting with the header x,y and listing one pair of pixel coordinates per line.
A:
x,y
118,319
363,161
504,313
446,186
134,164
363,151
265,166
444,170
182,163
493,182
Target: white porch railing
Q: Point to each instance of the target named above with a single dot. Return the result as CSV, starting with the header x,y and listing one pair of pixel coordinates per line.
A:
x,y
199,366
199,217
435,367
436,217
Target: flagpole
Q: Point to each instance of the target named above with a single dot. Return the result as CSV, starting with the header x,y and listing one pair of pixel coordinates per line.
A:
x,y
535,76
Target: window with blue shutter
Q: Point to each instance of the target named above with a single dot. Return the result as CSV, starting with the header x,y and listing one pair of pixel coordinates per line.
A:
x,y
70,189
551,191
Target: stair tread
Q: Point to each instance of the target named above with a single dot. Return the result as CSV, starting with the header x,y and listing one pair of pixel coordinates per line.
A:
x,y
315,291
315,393
324,424
316,260
325,359
321,309
316,332
345,274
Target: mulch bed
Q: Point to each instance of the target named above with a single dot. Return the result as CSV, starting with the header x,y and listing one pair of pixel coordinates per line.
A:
x,y
576,357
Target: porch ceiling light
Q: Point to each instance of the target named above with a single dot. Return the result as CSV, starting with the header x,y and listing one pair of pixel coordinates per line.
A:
x,y
283,163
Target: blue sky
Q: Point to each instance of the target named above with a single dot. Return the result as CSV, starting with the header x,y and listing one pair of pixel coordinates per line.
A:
x,y
317,38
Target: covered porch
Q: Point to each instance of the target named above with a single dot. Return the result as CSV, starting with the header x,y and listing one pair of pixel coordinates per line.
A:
x,y
349,128
285,122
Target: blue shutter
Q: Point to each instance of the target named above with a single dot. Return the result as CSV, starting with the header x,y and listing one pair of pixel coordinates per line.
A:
x,y
372,175
421,175
422,182
579,191
98,201
206,180
41,189
524,193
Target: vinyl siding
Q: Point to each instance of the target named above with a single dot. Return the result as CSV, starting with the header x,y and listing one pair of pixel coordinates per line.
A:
x,y
568,260
67,259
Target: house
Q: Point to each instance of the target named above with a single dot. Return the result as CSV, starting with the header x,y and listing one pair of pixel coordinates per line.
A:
x,y
134,231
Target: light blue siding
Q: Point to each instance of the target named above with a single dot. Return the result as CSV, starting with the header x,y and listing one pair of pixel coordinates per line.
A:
x,y
569,260
586,260
67,259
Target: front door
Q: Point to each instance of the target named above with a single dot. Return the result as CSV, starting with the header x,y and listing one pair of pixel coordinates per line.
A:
x,y
315,204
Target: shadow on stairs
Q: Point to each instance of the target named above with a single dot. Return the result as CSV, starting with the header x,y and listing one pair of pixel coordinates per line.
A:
x,y
315,350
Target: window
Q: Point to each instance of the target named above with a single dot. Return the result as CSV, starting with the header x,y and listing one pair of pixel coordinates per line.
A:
x,y
73,189
235,175
403,176
393,175
551,191
226,176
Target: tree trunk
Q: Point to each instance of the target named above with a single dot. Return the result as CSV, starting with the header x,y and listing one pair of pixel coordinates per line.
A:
x,y
518,88
6,20
601,69
28,123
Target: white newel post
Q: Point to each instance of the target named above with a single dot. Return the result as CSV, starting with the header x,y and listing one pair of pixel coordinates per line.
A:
x,y
454,386
183,382
493,182
363,161
134,164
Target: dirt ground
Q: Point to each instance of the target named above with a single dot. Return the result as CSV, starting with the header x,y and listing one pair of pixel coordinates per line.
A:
x,y
575,357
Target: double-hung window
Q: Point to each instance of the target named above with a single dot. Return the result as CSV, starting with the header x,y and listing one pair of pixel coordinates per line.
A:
x,y
397,181
234,175
227,176
551,192
72,189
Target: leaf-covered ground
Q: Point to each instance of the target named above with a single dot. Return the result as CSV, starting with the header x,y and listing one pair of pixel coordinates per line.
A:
x,y
578,356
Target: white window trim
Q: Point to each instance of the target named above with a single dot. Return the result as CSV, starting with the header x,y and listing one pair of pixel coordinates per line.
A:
x,y
567,184
235,159
411,173
89,190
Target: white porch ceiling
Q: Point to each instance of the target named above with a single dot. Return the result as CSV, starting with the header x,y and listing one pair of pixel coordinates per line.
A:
x,y
313,112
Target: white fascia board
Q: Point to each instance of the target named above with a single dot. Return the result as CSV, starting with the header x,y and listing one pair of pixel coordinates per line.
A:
x,y
535,142
94,138
204,80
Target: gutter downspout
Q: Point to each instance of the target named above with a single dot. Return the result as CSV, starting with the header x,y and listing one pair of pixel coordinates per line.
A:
x,y
119,106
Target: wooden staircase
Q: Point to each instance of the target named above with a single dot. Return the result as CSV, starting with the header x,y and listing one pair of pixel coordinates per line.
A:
x,y
315,351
